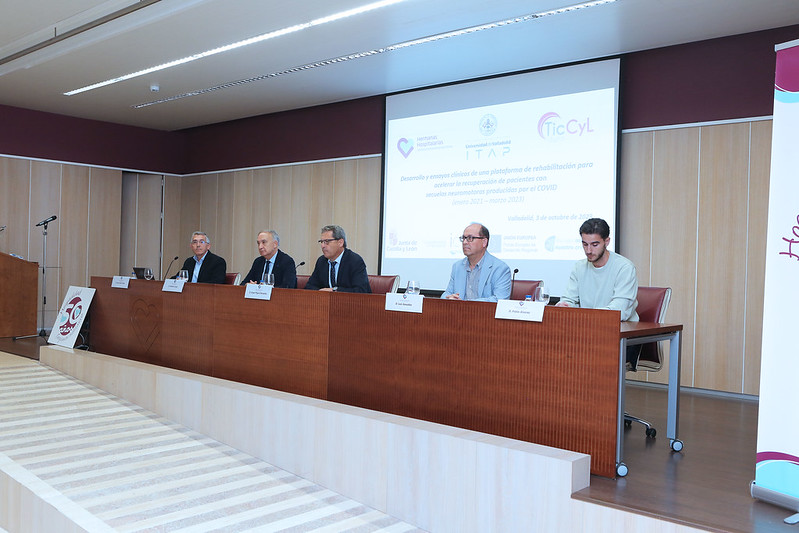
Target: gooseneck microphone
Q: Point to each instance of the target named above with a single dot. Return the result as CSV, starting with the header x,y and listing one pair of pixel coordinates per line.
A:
x,y
515,271
166,276
46,220
298,266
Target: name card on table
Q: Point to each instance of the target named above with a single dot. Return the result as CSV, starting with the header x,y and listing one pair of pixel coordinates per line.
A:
x,y
120,282
520,310
408,303
258,291
173,285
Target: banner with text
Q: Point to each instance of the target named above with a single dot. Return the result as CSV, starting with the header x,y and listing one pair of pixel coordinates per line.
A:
x,y
777,469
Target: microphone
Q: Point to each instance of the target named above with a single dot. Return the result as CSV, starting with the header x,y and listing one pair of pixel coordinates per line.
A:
x,y
295,266
2,228
46,220
515,271
170,266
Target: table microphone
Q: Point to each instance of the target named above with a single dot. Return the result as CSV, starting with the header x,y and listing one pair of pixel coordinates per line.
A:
x,y
2,228
515,271
298,266
170,266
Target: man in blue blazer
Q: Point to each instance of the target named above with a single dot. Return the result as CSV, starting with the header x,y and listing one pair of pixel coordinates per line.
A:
x,y
203,266
479,276
338,268
272,261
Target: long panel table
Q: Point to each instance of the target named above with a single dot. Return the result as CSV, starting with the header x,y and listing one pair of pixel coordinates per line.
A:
x,y
557,382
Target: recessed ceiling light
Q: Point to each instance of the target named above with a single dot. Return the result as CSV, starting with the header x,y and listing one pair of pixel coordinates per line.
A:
x,y
246,42
389,48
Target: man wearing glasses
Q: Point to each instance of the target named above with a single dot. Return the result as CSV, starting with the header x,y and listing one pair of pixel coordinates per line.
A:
x,y
338,268
204,267
479,276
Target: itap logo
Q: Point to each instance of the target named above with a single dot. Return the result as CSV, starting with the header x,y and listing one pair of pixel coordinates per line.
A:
x,y
405,147
551,126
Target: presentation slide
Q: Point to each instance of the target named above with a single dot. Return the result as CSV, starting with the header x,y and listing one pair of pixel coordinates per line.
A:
x,y
530,156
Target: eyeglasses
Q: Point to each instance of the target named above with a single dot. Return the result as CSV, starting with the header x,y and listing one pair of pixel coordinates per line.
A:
x,y
469,238
194,243
327,241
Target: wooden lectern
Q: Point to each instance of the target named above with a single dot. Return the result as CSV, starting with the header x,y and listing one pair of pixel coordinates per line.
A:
x,y
19,282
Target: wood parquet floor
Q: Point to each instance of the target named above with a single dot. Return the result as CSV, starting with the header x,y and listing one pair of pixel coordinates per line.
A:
x,y
707,484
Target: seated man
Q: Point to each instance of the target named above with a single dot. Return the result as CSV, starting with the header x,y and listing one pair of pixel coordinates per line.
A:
x,y
338,268
204,267
479,276
604,279
272,261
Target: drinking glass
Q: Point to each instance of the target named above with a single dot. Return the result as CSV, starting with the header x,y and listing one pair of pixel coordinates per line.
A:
x,y
542,294
270,279
183,275
148,273
413,288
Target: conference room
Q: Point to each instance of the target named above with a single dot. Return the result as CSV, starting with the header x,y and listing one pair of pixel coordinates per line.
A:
x,y
362,119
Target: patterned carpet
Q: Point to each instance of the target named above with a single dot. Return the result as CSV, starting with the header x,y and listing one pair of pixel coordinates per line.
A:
x,y
130,470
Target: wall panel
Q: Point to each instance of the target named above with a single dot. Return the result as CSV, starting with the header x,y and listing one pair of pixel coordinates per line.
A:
x,y
323,182
635,209
105,202
367,228
721,265
74,222
756,252
45,200
674,231
173,244
243,230
223,244
15,182
148,222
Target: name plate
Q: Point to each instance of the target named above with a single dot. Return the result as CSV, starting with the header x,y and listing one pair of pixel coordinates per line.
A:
x,y
173,285
120,282
408,303
256,291
520,310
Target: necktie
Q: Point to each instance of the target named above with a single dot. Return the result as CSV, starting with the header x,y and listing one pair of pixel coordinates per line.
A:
x,y
332,274
266,269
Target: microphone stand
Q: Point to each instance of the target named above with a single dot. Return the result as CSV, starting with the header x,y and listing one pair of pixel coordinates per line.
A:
x,y
42,333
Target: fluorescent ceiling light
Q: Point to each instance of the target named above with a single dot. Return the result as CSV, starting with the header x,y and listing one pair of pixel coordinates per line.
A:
x,y
389,48
257,39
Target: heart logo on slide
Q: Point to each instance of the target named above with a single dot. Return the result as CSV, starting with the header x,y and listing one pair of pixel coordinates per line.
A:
x,y
405,147
146,322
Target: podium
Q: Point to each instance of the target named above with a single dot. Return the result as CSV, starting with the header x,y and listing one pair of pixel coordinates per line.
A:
x,y
19,282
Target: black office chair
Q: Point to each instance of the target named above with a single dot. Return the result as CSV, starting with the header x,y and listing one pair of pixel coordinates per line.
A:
x,y
652,305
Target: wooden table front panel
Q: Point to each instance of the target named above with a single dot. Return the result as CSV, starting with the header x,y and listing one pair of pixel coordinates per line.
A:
x,y
213,330
553,383
279,344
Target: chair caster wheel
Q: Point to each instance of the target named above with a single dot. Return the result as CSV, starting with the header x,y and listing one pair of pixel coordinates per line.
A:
x,y
676,445
651,432
621,470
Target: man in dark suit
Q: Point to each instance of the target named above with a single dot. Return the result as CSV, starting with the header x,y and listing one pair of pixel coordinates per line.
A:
x,y
272,261
338,268
204,267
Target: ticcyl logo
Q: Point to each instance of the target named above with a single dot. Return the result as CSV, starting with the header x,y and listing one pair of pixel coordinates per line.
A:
x,y
552,126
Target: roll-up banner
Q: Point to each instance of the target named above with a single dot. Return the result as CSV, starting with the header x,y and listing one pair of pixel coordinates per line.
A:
x,y
777,468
